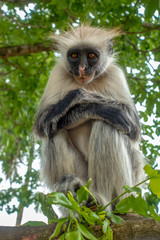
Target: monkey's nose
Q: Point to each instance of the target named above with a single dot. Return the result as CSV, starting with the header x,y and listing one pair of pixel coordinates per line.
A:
x,y
82,71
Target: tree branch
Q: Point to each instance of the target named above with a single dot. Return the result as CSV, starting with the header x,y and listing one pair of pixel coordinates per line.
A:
x,y
143,51
11,51
155,49
148,26
27,232
135,227
70,15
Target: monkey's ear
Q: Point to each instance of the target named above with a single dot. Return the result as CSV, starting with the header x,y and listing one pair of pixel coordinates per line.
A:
x,y
110,48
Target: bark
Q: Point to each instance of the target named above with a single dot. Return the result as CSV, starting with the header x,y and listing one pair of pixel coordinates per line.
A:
x,y
134,228
27,232
11,51
151,26
20,50
137,228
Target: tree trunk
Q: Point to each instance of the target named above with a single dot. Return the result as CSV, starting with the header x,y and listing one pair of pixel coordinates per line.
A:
x,y
19,214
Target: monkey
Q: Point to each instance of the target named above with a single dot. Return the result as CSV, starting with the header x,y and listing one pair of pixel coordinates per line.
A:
x,y
87,120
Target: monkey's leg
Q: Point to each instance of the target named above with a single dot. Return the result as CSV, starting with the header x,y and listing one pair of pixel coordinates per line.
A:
x,y
59,158
109,162
62,166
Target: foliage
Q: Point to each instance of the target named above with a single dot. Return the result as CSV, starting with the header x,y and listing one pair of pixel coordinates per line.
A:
x,y
95,223
82,222
23,78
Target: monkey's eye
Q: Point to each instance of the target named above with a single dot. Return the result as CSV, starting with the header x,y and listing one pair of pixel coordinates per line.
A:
x,y
91,55
74,55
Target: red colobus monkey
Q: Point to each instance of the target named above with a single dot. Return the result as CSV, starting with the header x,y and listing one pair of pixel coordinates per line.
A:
x,y
86,120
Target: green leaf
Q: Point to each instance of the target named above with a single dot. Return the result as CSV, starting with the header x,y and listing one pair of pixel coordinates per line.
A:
x,y
155,185
153,213
89,183
82,194
85,232
75,235
114,218
132,189
105,225
91,217
123,206
102,214
62,237
154,179
57,230
132,204
149,170
87,190
75,205
46,207
58,198
139,205
109,233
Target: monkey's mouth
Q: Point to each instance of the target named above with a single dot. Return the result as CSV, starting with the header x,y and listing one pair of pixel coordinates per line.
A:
x,y
84,79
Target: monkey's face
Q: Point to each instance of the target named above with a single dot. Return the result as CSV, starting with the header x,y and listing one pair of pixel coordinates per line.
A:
x,y
83,63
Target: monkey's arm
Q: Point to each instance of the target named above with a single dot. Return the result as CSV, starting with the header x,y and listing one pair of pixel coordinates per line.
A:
x,y
115,114
78,106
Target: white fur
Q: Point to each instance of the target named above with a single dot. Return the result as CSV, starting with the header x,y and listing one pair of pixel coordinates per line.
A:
x,y
93,149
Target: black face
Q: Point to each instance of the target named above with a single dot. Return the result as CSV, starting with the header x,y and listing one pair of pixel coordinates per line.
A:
x,y
83,63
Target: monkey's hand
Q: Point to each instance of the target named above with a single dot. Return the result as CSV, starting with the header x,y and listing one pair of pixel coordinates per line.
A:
x,y
73,184
46,118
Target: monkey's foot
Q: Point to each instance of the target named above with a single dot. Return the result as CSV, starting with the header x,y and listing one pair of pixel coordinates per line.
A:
x,y
68,183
